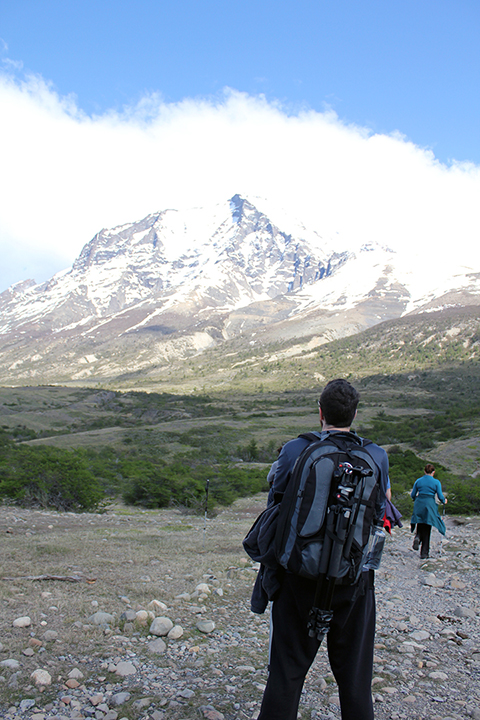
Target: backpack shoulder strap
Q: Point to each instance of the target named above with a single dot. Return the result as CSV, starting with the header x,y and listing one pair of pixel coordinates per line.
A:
x,y
343,436
311,436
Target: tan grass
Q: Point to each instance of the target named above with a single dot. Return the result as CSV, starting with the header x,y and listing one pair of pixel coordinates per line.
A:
x,y
141,555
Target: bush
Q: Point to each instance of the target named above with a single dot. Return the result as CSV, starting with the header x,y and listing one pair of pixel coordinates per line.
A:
x,y
48,477
406,467
463,496
155,486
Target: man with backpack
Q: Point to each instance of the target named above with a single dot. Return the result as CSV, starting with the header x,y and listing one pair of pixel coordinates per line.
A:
x,y
348,618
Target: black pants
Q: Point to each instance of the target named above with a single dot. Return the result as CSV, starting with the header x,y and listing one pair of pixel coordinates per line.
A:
x,y
423,535
349,642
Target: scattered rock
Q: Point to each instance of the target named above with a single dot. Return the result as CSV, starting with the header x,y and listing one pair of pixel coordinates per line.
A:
x,y
465,612
22,622
432,581
175,633
157,646
71,683
438,675
156,606
119,698
10,663
206,626
101,618
41,677
142,618
125,668
161,626
427,649
27,704
209,713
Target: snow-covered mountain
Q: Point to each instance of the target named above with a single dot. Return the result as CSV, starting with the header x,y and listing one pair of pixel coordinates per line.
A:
x,y
175,283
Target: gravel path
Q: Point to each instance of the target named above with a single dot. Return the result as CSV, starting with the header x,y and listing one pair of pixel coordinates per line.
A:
x,y
427,657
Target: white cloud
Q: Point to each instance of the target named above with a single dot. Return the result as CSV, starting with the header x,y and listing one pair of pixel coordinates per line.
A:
x,y
66,175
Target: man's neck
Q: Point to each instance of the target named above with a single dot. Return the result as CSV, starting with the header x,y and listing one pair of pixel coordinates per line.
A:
x,y
331,428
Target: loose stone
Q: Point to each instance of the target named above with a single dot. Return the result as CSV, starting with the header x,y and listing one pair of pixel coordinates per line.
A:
x,y
22,622
41,677
161,626
206,626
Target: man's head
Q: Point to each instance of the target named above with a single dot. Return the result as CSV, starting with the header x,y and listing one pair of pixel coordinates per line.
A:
x,y
338,403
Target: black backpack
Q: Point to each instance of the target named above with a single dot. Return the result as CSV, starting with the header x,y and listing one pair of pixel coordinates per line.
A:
x,y
328,509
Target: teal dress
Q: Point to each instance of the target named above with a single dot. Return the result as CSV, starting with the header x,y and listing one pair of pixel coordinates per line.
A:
x,y
425,508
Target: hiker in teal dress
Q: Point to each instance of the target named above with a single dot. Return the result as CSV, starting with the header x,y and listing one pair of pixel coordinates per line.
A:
x,y
425,513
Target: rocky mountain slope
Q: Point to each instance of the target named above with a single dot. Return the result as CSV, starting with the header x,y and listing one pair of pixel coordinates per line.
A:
x,y
174,284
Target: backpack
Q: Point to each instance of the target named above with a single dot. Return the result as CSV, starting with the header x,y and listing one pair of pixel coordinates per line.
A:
x,y
328,509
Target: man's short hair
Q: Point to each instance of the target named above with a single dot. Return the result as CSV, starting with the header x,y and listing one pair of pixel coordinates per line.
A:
x,y
429,468
338,402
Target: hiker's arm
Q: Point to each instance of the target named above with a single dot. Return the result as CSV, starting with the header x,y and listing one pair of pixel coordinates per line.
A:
x,y
384,487
440,494
380,457
286,460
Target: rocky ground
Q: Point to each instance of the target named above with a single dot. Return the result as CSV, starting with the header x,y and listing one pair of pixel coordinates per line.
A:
x,y
145,616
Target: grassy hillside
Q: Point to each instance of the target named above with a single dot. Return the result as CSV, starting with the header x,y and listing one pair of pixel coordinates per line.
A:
x,y
160,448
222,415
444,339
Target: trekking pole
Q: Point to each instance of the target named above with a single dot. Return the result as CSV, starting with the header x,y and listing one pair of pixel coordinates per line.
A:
x,y
206,510
321,613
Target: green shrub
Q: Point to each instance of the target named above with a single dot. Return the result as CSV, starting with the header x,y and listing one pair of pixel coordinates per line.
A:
x,y
154,486
406,467
463,496
48,477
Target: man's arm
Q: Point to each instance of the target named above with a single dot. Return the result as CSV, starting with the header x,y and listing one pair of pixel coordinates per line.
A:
x,y
380,458
384,487
286,460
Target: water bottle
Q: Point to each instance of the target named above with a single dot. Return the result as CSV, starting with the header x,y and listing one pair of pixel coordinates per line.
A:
x,y
374,549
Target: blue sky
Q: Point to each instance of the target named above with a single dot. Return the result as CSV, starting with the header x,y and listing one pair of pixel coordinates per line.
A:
x,y
140,79
411,66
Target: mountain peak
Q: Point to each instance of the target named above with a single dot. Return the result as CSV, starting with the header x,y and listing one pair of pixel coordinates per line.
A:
x,y
178,281
236,206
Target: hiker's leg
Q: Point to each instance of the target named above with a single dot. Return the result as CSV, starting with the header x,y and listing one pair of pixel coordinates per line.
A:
x,y
416,539
420,534
350,649
425,549
292,650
